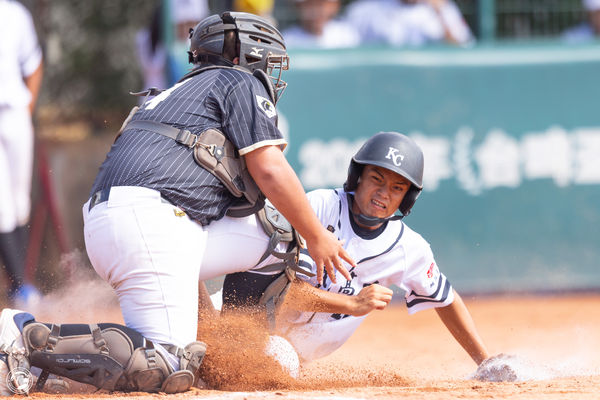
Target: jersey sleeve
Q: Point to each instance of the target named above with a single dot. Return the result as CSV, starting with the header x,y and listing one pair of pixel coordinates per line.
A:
x,y
251,120
30,52
425,286
326,205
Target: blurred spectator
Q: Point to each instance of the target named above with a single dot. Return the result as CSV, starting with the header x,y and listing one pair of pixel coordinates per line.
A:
x,y
409,22
152,53
159,67
588,30
21,70
318,27
263,8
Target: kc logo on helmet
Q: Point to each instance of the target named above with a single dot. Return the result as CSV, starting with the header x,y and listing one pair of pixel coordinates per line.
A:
x,y
394,156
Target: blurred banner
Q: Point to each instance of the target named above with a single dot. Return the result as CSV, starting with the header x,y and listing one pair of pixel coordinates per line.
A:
x,y
511,137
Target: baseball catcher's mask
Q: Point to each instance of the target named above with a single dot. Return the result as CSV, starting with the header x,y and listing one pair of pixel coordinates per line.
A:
x,y
395,152
261,45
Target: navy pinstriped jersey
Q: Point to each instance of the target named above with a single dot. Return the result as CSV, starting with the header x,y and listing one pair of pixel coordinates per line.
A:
x,y
232,101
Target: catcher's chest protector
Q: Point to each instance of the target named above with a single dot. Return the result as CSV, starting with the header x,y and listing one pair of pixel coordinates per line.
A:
x,y
212,150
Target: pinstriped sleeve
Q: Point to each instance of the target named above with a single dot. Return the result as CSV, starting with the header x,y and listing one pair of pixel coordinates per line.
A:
x,y
252,117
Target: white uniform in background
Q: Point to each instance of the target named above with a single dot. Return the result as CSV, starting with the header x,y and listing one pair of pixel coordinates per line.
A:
x,y
583,32
336,34
156,61
396,23
394,255
20,56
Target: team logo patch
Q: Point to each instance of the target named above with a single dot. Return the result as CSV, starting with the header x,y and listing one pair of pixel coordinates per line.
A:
x,y
266,106
430,271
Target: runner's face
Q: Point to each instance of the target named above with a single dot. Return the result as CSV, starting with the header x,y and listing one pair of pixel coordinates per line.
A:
x,y
379,192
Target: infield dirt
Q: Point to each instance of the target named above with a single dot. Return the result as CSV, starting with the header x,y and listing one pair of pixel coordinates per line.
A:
x,y
555,341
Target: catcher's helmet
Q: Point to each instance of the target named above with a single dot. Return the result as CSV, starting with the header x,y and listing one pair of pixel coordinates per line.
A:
x,y
261,45
395,152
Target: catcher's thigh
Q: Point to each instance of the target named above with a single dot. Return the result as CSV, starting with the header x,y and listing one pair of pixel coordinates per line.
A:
x,y
235,245
151,256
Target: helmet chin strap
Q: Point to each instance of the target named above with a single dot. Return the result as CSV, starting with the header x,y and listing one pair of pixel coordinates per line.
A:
x,y
369,221
366,220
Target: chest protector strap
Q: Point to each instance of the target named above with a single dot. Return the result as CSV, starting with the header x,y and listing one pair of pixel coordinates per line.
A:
x,y
274,295
211,148
279,230
215,153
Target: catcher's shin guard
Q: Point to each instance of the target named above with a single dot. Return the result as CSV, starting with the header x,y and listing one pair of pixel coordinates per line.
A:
x,y
110,357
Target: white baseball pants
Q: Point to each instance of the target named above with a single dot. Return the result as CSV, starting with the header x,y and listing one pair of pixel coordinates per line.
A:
x,y
153,257
150,253
235,245
16,164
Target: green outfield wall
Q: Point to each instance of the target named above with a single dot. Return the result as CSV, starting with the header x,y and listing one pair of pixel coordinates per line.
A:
x,y
511,136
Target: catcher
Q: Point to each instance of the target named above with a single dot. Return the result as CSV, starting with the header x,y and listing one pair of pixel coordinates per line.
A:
x,y
384,176
206,147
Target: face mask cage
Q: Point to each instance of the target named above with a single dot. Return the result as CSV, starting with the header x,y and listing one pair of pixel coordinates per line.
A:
x,y
276,64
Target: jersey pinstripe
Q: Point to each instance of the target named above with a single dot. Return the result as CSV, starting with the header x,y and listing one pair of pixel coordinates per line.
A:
x,y
226,99
392,255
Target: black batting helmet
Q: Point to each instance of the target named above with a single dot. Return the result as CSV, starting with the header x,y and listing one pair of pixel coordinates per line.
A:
x,y
395,152
261,45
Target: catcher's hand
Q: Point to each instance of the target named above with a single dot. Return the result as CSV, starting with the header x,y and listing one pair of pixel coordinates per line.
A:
x,y
499,368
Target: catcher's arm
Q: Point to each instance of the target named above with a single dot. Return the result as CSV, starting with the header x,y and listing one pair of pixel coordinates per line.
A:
x,y
278,181
304,297
459,322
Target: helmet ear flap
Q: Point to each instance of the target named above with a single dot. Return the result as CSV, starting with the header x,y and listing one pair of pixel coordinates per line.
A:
x,y
409,200
354,171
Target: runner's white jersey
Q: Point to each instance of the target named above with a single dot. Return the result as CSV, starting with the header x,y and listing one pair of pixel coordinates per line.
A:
x,y
391,255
